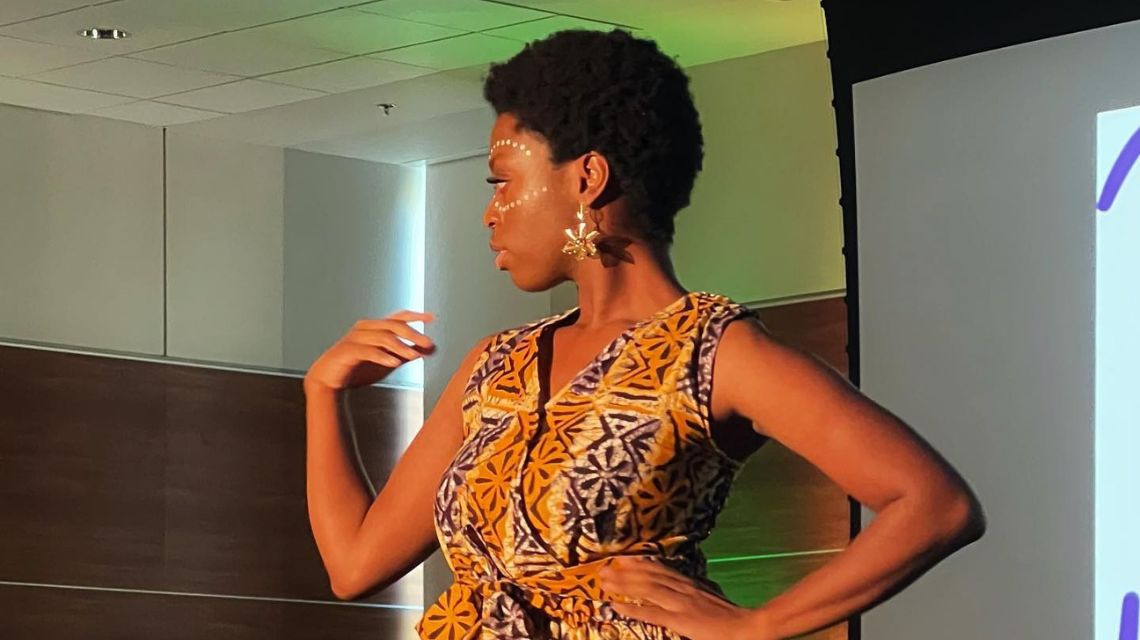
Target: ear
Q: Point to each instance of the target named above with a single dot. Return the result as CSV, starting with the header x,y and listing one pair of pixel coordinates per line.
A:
x,y
593,175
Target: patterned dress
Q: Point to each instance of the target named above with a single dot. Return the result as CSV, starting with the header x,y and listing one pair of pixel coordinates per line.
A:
x,y
546,488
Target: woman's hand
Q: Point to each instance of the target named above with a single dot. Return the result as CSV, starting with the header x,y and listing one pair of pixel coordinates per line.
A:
x,y
370,351
672,600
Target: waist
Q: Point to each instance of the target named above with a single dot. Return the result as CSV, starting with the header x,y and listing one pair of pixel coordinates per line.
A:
x,y
530,605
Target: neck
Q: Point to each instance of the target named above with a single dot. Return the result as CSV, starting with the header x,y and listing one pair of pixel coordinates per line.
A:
x,y
626,290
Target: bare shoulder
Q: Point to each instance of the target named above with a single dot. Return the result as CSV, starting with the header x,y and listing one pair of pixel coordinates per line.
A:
x,y
802,402
736,359
778,386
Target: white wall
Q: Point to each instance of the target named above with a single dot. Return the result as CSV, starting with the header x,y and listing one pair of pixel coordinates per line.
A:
x,y
976,186
276,253
225,227
80,231
262,257
354,248
764,221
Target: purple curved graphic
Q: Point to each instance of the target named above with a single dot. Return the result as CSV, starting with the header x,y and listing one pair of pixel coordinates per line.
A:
x,y
1129,615
1124,163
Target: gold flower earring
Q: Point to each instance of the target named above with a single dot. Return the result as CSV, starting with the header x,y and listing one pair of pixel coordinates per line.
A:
x,y
580,244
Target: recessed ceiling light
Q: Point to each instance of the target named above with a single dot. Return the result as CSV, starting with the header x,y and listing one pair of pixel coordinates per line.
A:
x,y
100,33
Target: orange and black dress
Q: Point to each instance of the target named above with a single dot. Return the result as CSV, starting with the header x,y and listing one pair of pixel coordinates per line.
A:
x,y
546,487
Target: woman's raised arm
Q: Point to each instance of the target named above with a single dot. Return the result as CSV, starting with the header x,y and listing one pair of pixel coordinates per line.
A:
x,y
368,544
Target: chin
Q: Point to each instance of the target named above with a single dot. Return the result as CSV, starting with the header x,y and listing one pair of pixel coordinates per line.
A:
x,y
527,286
532,283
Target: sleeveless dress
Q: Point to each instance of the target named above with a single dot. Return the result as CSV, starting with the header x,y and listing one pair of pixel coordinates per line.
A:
x,y
548,487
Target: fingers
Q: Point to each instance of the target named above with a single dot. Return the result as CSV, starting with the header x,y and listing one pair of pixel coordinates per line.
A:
x,y
378,355
408,314
649,578
402,317
638,580
648,565
384,332
385,341
648,612
678,581
647,588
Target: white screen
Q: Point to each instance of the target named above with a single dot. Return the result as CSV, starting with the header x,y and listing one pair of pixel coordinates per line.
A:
x,y
1117,357
999,314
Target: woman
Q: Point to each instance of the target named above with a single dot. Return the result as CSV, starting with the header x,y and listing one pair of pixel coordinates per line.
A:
x,y
609,435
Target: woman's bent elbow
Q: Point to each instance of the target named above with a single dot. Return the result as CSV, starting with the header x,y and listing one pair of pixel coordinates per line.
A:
x,y
342,590
344,583
968,520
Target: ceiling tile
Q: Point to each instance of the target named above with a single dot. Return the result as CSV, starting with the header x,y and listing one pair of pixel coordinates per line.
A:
x,y
633,13
539,29
706,31
154,113
37,95
698,32
449,134
463,51
230,15
459,14
347,75
19,10
141,18
244,53
237,97
351,113
353,32
129,77
21,57
154,23
757,28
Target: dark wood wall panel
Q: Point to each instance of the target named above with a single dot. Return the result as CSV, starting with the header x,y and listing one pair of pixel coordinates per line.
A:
x,y
81,477
46,613
818,327
134,475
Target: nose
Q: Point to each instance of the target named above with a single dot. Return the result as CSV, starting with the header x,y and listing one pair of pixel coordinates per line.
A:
x,y
490,217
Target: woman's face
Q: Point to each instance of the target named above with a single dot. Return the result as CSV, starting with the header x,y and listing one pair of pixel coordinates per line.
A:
x,y
532,201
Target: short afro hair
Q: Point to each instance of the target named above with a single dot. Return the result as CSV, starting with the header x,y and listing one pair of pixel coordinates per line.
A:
x,y
615,94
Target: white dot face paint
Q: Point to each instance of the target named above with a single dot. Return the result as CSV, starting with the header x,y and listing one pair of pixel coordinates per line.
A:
x,y
513,144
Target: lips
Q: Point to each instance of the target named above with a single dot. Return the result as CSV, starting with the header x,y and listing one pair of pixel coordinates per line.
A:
x,y
499,253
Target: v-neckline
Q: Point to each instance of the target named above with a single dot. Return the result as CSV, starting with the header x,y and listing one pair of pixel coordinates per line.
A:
x,y
545,356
